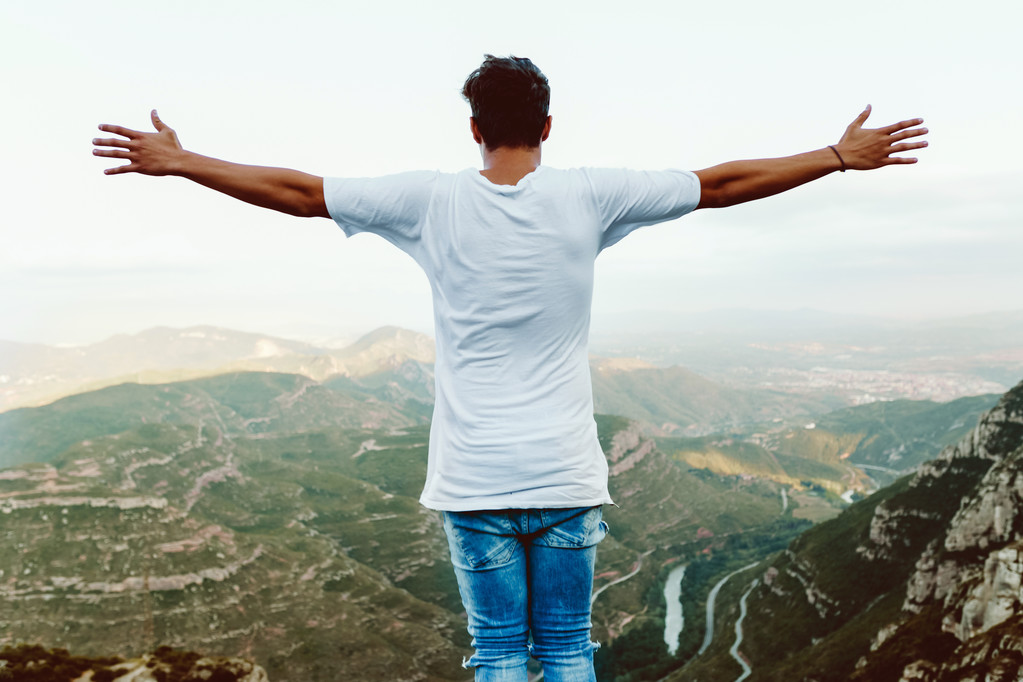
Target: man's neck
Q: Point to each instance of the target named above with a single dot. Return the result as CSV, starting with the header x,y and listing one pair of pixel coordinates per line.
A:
x,y
508,165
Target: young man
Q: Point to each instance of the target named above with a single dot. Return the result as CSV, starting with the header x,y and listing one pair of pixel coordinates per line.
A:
x,y
514,465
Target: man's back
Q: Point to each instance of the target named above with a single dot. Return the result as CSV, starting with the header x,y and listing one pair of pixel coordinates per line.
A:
x,y
511,268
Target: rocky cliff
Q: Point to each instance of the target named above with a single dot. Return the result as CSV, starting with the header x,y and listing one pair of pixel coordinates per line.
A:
x,y
967,582
33,663
921,581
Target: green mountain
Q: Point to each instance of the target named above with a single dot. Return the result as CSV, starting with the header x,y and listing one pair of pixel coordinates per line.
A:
x,y
273,517
238,404
256,515
903,434
857,448
919,581
675,400
34,374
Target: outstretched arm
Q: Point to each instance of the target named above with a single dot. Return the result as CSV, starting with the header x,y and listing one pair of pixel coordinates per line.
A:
x,y
160,153
859,149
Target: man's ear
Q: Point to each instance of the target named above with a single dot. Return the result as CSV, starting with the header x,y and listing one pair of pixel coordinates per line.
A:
x,y
546,130
475,131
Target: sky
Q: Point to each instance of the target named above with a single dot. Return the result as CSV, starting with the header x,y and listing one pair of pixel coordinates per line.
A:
x,y
360,89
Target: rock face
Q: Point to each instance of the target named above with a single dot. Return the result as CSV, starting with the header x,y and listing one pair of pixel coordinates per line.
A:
x,y
970,579
967,582
152,669
33,662
996,599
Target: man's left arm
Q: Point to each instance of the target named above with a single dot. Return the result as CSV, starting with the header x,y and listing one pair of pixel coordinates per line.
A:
x,y
860,148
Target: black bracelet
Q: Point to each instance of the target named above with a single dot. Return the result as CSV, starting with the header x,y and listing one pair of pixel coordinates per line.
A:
x,y
840,160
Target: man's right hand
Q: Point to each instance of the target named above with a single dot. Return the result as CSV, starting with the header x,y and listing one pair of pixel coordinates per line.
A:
x,y
160,153
156,153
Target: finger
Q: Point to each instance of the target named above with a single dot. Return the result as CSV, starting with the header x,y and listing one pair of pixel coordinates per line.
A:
x,y
899,159
111,153
861,119
119,130
916,132
902,125
126,168
111,142
906,146
157,123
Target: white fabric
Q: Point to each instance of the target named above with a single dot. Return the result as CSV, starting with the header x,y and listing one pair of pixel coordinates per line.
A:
x,y
511,267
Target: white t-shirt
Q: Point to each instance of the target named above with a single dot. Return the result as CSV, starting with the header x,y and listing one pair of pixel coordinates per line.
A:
x,y
511,268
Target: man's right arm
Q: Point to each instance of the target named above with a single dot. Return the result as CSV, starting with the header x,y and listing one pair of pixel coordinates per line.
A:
x,y
160,153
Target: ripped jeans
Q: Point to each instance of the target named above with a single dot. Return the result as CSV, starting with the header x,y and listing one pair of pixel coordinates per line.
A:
x,y
525,576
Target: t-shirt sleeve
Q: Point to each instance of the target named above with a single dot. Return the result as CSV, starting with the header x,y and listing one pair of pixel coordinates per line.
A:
x,y
628,199
392,206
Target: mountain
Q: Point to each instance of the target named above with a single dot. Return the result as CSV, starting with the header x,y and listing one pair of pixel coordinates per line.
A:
x,y
258,545
919,581
247,403
274,517
33,374
902,434
674,399
390,365
812,358
257,515
858,448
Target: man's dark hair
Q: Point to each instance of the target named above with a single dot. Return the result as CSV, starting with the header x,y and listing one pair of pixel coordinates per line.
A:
x,y
509,97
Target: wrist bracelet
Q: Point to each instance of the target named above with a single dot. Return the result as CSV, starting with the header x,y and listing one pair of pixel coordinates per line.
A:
x,y
840,160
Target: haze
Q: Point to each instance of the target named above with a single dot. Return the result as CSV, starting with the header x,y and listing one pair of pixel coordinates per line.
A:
x,y
372,88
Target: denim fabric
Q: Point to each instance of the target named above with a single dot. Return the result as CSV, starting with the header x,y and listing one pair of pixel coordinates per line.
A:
x,y
525,576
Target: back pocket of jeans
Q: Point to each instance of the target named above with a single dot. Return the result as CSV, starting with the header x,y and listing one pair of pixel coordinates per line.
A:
x,y
579,529
480,540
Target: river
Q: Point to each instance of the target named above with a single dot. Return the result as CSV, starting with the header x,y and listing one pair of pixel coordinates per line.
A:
x,y
674,619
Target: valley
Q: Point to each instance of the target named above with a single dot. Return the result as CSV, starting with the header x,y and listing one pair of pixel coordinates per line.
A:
x,y
244,511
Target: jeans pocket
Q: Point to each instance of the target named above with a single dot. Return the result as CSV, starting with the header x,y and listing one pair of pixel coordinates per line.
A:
x,y
479,540
576,528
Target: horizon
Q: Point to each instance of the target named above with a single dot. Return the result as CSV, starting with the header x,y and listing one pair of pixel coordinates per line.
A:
x,y
654,323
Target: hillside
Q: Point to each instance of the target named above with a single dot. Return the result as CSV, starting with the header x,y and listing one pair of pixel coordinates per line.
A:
x,y
861,448
677,401
238,404
271,516
33,663
919,581
34,374
389,365
237,515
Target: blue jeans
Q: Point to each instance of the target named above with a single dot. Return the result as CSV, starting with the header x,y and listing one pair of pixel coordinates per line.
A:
x,y
522,573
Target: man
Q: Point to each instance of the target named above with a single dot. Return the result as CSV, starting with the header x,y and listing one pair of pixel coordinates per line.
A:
x,y
514,465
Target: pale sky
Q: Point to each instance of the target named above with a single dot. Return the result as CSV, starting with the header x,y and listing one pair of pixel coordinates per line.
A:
x,y
355,89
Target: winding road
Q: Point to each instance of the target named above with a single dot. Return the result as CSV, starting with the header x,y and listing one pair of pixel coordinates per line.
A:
x,y
747,670
639,566
709,635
